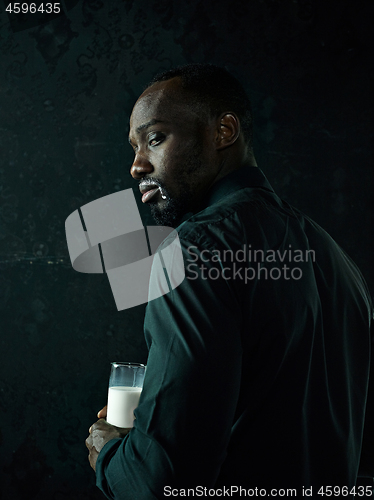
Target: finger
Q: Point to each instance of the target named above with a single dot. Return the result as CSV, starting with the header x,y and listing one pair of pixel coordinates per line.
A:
x,y
102,413
92,458
88,442
92,428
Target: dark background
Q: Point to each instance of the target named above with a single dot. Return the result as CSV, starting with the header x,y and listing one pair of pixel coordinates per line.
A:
x,y
67,87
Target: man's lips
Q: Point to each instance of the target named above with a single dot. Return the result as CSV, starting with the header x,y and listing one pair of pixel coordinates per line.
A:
x,y
148,191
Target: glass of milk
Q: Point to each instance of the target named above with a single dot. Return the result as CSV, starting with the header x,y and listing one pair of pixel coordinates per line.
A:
x,y
125,387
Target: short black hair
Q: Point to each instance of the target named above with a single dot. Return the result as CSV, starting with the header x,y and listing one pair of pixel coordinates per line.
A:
x,y
215,90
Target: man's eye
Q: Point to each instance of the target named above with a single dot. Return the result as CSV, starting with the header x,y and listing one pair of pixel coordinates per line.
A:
x,y
155,141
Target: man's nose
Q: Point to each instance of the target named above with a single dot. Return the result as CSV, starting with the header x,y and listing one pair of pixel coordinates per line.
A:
x,y
140,167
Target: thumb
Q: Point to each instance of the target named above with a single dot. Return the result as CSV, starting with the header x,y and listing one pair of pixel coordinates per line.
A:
x,y
102,413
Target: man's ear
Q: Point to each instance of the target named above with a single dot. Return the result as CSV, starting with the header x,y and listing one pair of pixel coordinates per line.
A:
x,y
228,130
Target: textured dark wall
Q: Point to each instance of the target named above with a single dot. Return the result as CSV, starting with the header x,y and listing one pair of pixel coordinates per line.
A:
x,y
66,90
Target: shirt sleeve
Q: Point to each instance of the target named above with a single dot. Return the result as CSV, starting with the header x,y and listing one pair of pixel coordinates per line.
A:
x,y
191,388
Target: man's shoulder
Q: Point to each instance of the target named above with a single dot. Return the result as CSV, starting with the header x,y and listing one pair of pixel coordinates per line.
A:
x,y
257,217
248,209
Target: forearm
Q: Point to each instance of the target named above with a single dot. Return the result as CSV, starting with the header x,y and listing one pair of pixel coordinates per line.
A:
x,y
132,469
187,407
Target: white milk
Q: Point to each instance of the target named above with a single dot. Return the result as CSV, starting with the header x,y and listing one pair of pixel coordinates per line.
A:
x,y
122,402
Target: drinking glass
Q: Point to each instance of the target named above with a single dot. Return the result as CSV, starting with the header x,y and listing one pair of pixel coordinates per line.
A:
x,y
125,387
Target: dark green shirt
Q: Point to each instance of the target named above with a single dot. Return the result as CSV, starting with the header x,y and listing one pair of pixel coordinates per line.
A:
x,y
258,362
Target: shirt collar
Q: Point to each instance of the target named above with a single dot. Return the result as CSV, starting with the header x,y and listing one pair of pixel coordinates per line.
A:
x,y
243,177
239,179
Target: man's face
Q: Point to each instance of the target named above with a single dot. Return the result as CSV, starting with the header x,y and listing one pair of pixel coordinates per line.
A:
x,y
175,159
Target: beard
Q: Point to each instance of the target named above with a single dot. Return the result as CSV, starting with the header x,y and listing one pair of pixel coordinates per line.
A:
x,y
175,207
172,210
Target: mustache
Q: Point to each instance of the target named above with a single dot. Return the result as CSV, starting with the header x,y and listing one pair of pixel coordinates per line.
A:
x,y
146,181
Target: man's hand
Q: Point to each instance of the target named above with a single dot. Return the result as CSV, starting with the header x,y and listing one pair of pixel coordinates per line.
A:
x,y
100,433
